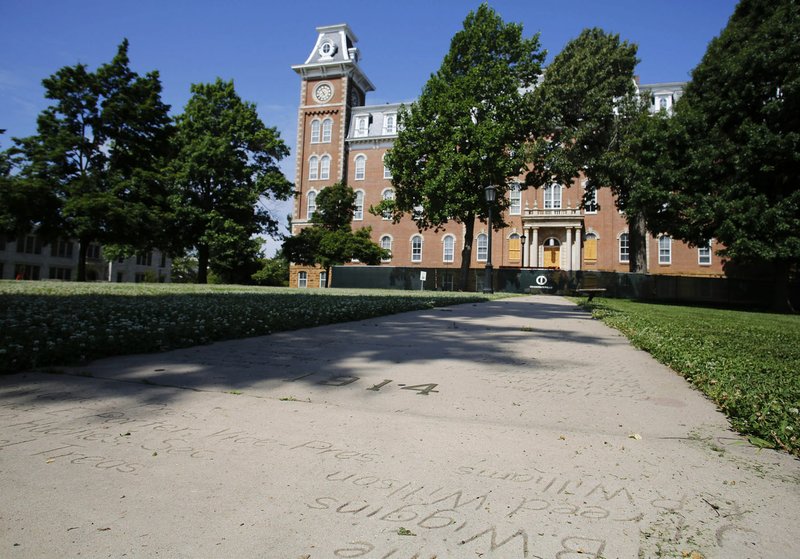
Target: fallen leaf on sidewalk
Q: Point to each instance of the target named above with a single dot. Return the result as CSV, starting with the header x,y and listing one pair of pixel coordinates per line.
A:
x,y
636,436
562,438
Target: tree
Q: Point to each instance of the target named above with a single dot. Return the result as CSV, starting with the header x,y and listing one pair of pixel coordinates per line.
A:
x,y
739,120
274,271
93,169
587,105
226,160
330,241
467,129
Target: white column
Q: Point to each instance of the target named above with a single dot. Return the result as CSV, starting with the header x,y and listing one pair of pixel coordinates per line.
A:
x,y
576,253
568,247
534,255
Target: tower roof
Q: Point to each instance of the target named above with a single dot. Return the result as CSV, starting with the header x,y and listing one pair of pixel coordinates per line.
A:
x,y
335,54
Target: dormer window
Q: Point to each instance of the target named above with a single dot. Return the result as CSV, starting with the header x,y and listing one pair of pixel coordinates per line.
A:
x,y
389,121
362,126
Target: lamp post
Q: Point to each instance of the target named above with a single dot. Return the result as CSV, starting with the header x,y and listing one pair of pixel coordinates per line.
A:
x,y
487,283
522,249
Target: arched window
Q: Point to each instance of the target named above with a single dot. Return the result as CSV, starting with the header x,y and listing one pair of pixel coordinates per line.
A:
x,y
327,126
388,194
313,168
514,248
361,167
665,249
515,199
416,248
448,248
624,248
325,167
386,244
311,204
315,131
358,213
482,247
552,197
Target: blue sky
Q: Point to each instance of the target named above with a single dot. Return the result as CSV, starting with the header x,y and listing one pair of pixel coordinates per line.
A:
x,y
255,42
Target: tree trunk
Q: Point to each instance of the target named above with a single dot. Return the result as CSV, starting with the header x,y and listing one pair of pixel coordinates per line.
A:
x,y
637,243
83,251
781,300
327,276
466,252
202,263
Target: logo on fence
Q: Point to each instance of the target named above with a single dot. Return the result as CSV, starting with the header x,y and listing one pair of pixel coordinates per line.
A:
x,y
541,280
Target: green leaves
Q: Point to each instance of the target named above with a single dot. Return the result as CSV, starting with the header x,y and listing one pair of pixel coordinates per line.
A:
x,y
226,161
330,240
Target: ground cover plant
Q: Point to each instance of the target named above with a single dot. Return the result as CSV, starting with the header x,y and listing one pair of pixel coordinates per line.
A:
x,y
46,324
748,363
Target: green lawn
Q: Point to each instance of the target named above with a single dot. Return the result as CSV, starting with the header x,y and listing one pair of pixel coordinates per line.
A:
x,y
748,363
47,324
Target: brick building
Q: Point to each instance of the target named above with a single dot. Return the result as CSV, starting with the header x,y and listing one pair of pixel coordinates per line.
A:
x,y
340,138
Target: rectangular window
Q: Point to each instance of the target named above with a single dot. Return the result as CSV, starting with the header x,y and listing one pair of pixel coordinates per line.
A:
x,y
120,277
416,249
591,205
302,279
449,249
314,131
145,259
358,213
482,248
61,274
704,255
664,250
139,277
387,174
93,251
327,129
552,197
515,198
624,248
61,249
26,272
163,260
29,244
590,248
514,249
323,279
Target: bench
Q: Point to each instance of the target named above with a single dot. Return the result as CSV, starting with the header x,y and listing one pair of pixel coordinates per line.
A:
x,y
590,292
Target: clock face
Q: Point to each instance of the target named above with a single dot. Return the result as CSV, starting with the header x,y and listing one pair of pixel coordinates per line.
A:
x,y
323,92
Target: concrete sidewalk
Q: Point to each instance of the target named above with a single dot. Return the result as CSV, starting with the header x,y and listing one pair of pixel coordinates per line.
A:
x,y
510,429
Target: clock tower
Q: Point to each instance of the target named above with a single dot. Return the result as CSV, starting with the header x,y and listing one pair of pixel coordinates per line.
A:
x,y
331,84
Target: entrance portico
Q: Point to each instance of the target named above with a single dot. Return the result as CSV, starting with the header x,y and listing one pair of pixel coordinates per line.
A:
x,y
554,236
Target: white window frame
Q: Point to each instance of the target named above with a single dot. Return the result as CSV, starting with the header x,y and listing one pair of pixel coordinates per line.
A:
x,y
315,131
313,168
327,130
387,173
550,201
323,278
387,194
482,247
417,242
302,279
624,257
362,126
704,255
664,250
360,167
325,167
448,248
311,204
385,247
515,199
389,124
592,204
358,213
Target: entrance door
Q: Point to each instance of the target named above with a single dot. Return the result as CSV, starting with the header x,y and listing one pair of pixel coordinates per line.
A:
x,y
552,253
